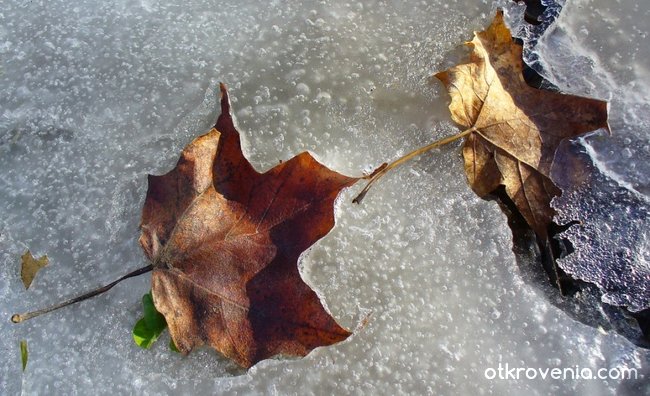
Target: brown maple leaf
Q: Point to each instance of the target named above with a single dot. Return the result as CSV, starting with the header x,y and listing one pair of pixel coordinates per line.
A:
x,y
224,241
513,130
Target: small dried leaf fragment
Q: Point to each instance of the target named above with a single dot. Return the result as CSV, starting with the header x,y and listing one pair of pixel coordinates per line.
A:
x,y
224,241
516,129
30,266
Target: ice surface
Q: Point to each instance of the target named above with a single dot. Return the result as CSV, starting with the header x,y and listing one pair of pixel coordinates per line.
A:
x,y
95,95
605,49
612,245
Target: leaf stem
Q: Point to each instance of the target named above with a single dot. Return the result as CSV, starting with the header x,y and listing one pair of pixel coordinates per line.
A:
x,y
17,318
383,169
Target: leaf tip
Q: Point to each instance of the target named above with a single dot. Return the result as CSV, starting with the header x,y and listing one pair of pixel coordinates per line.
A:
x,y
225,101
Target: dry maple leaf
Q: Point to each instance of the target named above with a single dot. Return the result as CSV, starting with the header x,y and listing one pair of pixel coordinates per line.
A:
x,y
515,129
224,241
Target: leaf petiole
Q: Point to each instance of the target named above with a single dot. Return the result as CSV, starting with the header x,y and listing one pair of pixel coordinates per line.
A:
x,y
381,171
17,318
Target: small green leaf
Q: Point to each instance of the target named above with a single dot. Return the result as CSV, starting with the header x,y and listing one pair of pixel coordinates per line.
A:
x,y
172,346
147,330
23,353
155,320
142,334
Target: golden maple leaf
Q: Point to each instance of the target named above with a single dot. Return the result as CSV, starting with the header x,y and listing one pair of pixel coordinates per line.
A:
x,y
513,129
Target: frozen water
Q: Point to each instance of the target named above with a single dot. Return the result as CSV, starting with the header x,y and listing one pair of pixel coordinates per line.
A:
x,y
605,50
95,95
612,244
